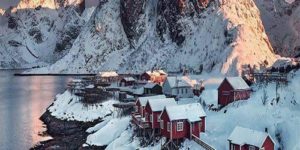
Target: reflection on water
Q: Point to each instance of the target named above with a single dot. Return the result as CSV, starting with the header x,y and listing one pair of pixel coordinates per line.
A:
x,y
22,101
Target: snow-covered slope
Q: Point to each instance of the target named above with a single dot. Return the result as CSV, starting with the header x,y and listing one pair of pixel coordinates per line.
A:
x,y
224,37
281,19
38,31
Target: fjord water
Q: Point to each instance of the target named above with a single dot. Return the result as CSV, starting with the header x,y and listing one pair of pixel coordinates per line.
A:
x,y
22,101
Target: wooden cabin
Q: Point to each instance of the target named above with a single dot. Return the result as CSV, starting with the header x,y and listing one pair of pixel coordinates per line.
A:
x,y
127,81
182,121
248,139
233,89
153,110
152,89
156,76
178,87
139,114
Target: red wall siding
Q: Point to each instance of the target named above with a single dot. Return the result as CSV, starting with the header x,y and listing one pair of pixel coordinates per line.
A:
x,y
268,144
237,95
224,99
196,128
203,124
180,134
156,124
164,131
236,147
149,112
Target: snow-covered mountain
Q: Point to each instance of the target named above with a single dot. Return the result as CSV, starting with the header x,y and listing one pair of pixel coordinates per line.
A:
x,y
282,22
39,32
137,35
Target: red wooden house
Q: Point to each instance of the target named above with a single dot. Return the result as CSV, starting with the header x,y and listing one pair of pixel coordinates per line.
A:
x,y
182,121
156,76
233,89
153,109
248,139
138,117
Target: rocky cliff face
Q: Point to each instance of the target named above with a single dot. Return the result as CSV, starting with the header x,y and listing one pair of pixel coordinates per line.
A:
x,y
131,35
281,20
39,32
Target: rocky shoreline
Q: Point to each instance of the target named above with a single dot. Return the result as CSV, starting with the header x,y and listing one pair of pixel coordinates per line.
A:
x,y
66,134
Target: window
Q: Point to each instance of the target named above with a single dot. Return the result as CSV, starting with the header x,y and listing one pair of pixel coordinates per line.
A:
x,y
177,91
179,126
168,126
158,120
182,91
162,124
186,91
225,92
146,116
151,118
251,147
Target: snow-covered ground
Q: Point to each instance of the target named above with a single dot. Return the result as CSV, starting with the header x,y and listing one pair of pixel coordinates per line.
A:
x,y
68,106
282,118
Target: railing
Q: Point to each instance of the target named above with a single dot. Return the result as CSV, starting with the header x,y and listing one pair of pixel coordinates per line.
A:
x,y
137,119
202,143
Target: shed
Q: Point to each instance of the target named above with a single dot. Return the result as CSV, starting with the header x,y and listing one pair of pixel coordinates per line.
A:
x,y
152,88
247,139
182,121
233,89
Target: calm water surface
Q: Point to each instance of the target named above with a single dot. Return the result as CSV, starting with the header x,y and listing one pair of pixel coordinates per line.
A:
x,y
22,101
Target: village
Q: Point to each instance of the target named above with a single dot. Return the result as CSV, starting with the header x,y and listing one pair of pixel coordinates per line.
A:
x,y
168,109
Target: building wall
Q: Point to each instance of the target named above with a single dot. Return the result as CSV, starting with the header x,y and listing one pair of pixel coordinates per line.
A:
x,y
222,98
166,89
203,121
268,144
180,134
236,147
183,92
156,122
164,131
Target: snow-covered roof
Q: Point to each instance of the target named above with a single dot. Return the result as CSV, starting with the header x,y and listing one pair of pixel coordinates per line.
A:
x,y
156,72
143,100
159,104
150,85
191,112
178,82
108,74
237,83
129,79
242,136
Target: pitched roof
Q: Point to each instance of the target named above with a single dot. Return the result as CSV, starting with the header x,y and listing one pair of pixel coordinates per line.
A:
x,y
178,82
108,74
191,112
242,136
129,79
159,104
143,100
150,85
237,83
156,72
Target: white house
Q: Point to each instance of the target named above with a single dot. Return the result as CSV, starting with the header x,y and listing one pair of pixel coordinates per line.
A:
x,y
180,87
